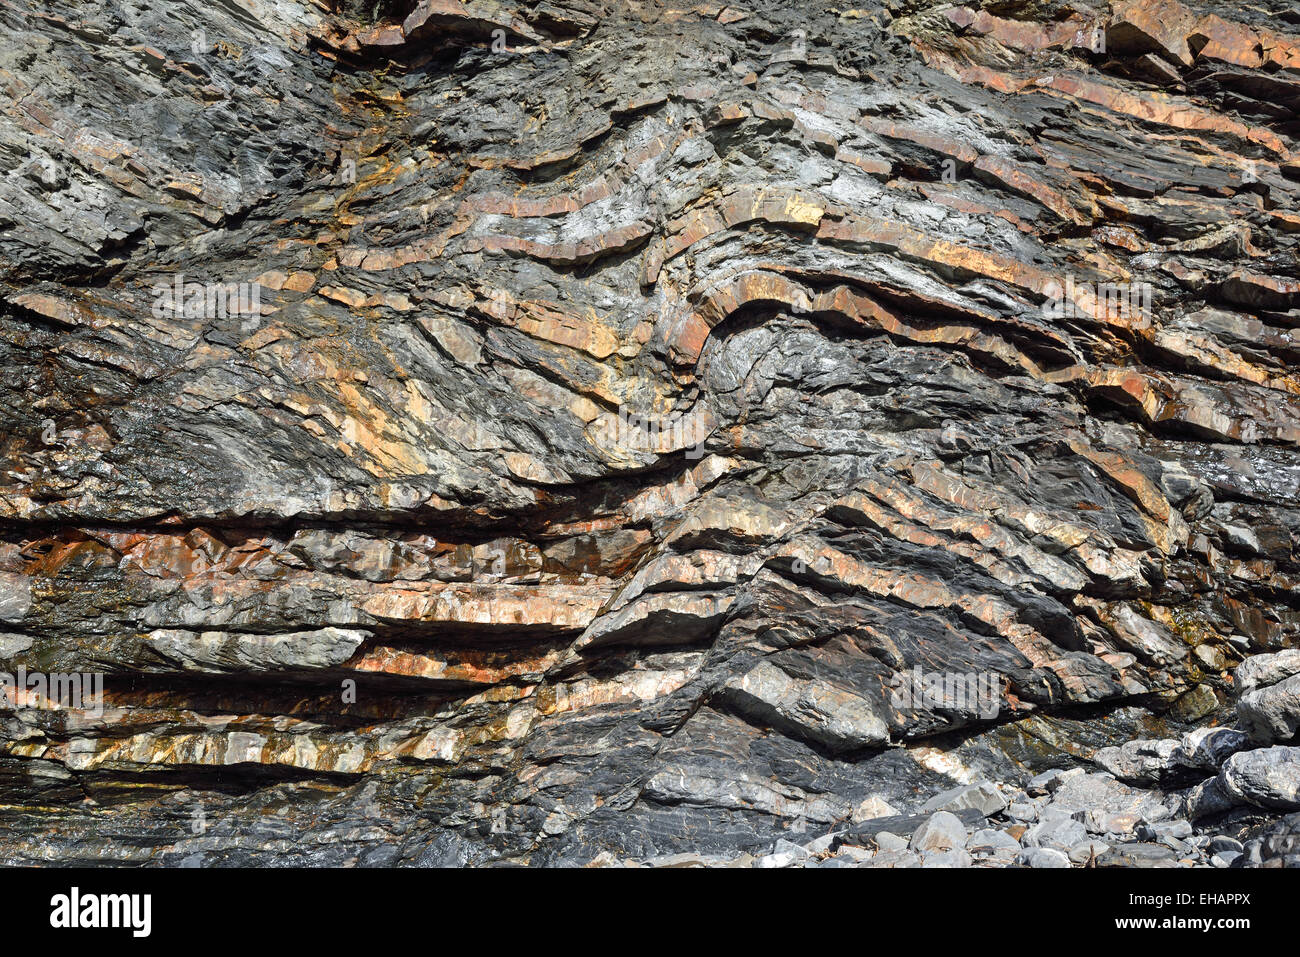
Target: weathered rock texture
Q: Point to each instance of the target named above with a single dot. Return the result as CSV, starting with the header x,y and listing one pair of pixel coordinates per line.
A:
x,y
382,570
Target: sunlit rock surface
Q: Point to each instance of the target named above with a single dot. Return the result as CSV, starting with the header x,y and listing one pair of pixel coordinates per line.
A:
x,y
583,431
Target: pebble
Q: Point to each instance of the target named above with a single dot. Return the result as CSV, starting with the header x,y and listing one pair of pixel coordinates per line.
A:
x,y
1038,783
983,797
798,852
1222,843
1155,831
1022,811
1138,855
1058,829
1082,852
991,842
896,859
890,842
1042,857
859,854
1268,777
819,845
943,831
956,857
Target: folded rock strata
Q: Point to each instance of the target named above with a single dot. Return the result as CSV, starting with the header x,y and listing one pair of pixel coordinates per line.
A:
x,y
463,432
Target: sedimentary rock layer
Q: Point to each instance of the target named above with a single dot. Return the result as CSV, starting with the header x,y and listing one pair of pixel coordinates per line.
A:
x,y
580,430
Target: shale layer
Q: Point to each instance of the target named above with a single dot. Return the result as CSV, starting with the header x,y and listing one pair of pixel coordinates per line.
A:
x,y
628,410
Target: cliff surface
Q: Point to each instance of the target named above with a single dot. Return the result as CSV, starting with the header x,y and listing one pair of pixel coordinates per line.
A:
x,y
571,430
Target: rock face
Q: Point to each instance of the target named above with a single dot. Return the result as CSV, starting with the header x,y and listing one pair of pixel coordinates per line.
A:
x,y
570,431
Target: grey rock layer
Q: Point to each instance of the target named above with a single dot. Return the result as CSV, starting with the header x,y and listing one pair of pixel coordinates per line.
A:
x,y
569,432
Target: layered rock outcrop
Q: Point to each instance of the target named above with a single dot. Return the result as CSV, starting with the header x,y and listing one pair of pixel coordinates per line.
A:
x,y
575,430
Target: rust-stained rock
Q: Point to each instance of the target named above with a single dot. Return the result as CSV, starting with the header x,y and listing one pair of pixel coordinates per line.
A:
x,y
568,432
